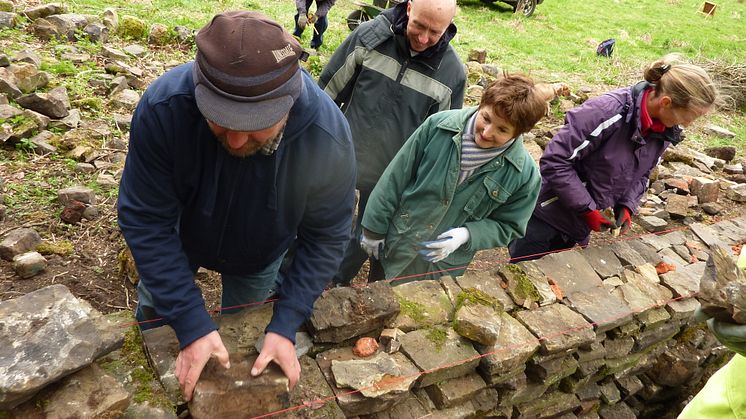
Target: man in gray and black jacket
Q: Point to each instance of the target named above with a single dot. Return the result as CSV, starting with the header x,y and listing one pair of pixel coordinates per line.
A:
x,y
388,76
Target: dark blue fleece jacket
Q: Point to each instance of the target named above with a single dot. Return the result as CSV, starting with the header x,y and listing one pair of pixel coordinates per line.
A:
x,y
184,201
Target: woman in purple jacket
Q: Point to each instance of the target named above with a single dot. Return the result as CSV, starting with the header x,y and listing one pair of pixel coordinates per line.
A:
x,y
602,157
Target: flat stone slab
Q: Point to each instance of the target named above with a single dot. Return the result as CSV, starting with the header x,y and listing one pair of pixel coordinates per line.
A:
x,y
540,281
646,279
558,328
422,304
605,311
487,283
90,393
479,323
549,405
353,403
46,335
514,346
708,235
440,354
570,270
455,391
375,375
233,392
345,312
626,254
603,260
684,282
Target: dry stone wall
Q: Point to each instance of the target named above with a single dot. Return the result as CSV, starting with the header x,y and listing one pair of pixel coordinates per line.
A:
x,y
600,332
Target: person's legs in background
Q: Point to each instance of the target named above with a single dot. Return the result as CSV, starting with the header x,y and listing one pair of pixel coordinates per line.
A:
x,y
354,256
318,32
540,239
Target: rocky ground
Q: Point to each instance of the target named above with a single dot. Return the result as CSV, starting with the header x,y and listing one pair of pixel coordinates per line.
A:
x,y
68,86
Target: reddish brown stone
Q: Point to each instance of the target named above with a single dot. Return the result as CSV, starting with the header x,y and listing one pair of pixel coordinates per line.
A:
x,y
73,212
365,347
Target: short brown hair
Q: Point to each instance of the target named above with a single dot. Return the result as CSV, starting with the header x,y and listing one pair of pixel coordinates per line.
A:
x,y
515,98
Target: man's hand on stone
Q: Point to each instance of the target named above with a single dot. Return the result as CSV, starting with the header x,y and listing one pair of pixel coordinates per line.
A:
x,y
193,358
281,351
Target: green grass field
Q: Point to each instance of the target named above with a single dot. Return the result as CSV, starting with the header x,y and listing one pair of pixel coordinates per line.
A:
x,y
556,44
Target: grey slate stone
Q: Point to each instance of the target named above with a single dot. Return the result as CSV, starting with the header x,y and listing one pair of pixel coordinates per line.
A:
x,y
353,403
652,224
549,405
342,313
46,335
426,304
648,253
707,234
605,311
617,411
672,258
619,347
455,391
557,327
514,346
610,393
375,376
684,282
537,277
439,360
76,193
570,270
603,260
487,283
478,322
29,264
626,254
18,241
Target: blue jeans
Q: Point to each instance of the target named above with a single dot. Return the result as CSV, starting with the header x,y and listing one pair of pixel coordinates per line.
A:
x,y
238,290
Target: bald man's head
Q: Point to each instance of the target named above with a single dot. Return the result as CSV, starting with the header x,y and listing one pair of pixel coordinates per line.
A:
x,y
428,20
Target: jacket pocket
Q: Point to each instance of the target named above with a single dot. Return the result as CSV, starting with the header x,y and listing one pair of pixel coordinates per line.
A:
x,y
486,199
401,222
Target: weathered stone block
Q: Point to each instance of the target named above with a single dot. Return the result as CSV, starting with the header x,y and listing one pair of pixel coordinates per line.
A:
x,y
682,309
478,322
603,260
456,391
29,264
312,387
514,346
376,375
708,235
616,411
610,393
440,354
241,331
540,281
353,403
684,282
626,254
76,193
489,284
570,270
345,312
549,405
659,334
46,335
605,311
19,241
706,190
619,347
629,385
551,372
423,304
88,393
233,392
557,327
519,286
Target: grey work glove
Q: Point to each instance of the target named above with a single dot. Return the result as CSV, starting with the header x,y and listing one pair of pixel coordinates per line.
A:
x,y
373,247
731,335
302,21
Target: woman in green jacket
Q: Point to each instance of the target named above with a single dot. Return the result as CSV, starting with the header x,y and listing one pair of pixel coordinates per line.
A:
x,y
462,182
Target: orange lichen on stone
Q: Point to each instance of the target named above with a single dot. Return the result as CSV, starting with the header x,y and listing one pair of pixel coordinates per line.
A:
x,y
556,289
664,267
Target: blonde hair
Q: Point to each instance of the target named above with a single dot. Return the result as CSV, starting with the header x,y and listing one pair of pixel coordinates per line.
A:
x,y
688,85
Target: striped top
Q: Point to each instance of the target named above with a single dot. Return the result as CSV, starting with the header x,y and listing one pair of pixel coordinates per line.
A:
x,y
472,156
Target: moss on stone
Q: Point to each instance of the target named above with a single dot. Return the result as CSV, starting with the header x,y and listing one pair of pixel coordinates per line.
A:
x,y
525,289
437,336
471,296
62,248
146,385
412,309
132,27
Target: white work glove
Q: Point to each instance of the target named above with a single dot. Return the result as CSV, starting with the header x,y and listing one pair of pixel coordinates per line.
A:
x,y
372,247
302,21
437,250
